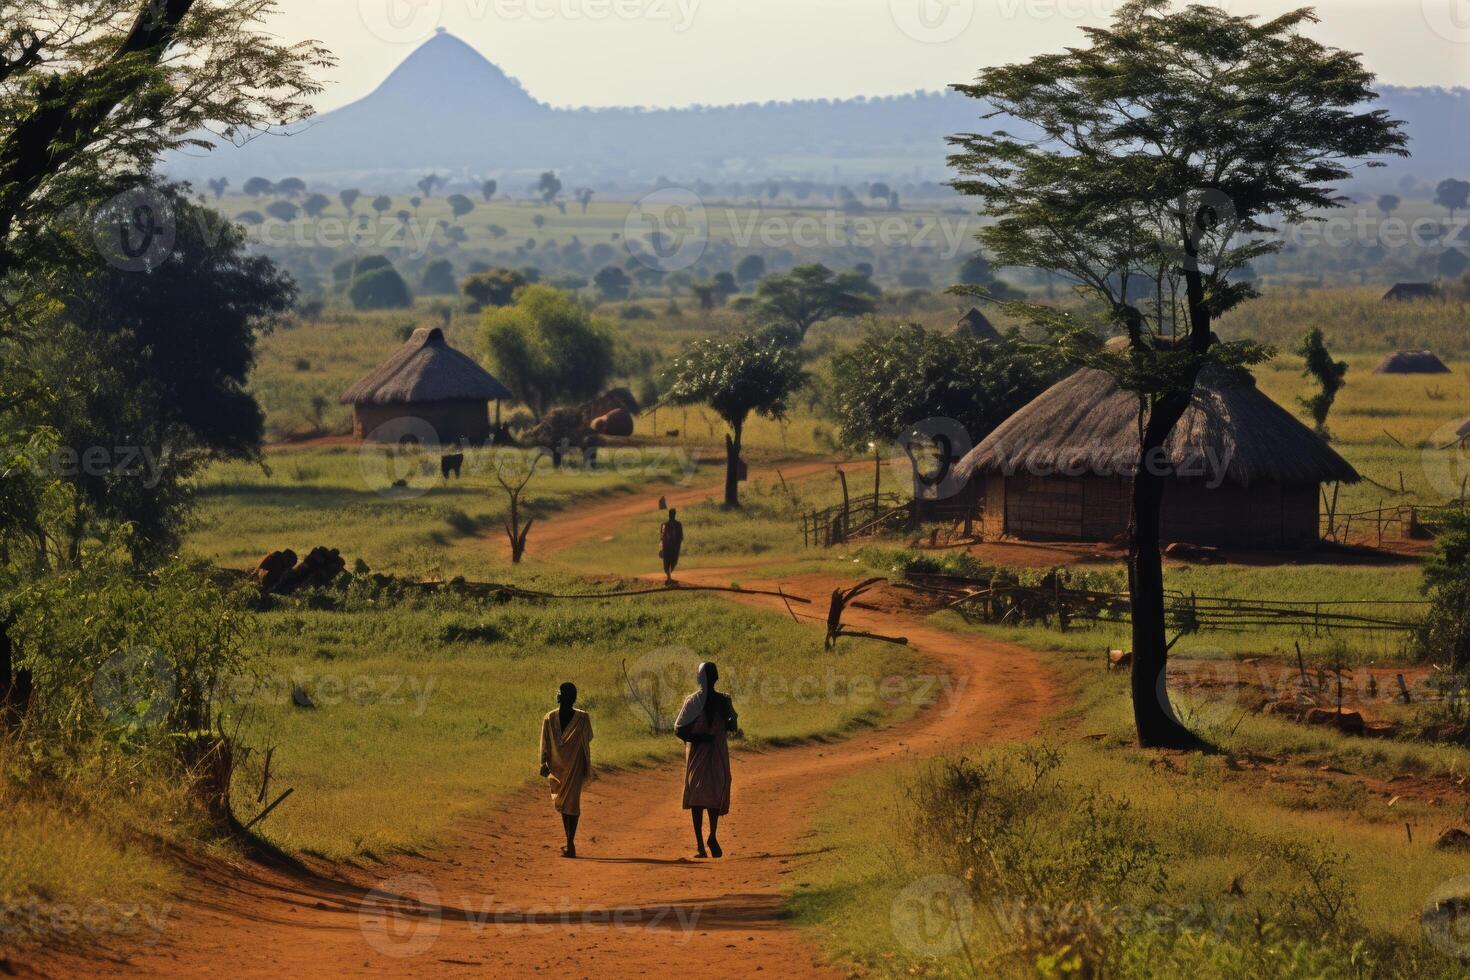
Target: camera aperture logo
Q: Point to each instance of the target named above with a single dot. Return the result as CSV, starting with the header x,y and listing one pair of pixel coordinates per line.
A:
x,y
401,917
134,231
135,688
933,916
668,230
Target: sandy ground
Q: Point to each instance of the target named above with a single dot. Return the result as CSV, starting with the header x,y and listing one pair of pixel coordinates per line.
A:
x,y
497,900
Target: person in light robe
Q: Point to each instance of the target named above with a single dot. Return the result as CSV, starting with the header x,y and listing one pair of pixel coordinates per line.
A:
x,y
566,759
705,722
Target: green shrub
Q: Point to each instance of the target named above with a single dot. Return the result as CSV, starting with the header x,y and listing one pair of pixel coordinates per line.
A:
x,y
379,289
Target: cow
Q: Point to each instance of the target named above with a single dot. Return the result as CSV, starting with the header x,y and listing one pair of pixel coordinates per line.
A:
x,y
451,464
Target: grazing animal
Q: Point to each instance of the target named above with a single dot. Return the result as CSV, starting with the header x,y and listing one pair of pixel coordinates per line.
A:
x,y
451,464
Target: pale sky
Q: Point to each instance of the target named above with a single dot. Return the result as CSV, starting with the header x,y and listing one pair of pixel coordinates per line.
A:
x,y
679,52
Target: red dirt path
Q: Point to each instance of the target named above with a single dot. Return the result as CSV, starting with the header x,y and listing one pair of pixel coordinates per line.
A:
x,y
496,900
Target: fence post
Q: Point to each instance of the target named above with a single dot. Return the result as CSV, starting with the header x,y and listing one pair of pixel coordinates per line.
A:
x,y
846,512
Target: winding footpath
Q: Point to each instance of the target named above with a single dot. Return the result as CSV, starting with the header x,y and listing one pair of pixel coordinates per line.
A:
x,y
495,899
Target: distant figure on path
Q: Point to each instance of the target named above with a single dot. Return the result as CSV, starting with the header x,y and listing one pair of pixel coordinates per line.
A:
x,y
670,540
705,722
566,758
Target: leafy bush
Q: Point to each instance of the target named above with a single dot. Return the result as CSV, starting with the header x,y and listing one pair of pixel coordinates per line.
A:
x,y
1445,636
379,289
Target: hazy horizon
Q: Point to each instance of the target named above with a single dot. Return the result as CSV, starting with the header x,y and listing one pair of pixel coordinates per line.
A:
x,y
665,53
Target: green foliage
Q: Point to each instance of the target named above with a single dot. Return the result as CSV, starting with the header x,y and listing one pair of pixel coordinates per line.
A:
x,y
795,302
140,396
102,87
495,287
901,374
126,658
1445,636
1329,374
750,269
439,277
1166,145
1452,194
547,348
379,289
735,376
612,283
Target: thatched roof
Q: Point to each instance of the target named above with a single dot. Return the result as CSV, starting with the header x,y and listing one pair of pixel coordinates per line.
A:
x,y
1086,426
426,369
613,398
977,325
1411,362
1411,290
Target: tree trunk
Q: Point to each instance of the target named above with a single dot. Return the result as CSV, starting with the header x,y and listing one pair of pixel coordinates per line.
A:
x,y
1153,714
15,684
732,466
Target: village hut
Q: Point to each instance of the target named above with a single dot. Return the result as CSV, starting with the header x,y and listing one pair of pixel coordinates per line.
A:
x,y
1402,292
1247,473
611,400
426,381
977,325
1411,362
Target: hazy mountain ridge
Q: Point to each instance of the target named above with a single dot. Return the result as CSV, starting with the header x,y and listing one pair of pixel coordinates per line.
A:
x,y
448,109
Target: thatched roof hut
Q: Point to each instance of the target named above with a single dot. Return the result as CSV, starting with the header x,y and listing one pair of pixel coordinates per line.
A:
x,y
425,382
1411,362
1247,472
977,325
1406,291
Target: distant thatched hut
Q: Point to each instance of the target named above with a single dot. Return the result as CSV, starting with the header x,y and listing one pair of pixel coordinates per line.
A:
x,y
977,325
425,381
1411,362
610,401
1247,472
1403,292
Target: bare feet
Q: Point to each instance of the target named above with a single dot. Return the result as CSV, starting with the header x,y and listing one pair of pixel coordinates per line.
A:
x,y
714,848
700,853
570,851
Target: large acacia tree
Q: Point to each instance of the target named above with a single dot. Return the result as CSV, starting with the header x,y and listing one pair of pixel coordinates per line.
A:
x,y
1144,168
736,376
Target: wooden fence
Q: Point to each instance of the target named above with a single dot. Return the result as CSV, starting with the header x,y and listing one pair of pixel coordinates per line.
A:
x,y
853,518
1053,601
1401,520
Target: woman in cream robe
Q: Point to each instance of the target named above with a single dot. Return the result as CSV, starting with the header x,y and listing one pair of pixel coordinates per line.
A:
x,y
705,722
566,760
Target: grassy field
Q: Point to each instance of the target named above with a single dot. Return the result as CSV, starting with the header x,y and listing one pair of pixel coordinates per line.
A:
x,y
430,711
1281,832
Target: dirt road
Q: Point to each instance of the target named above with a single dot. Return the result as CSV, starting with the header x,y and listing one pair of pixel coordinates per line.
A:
x,y
496,900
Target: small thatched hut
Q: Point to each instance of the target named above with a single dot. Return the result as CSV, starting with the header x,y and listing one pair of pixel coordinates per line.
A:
x,y
1403,292
977,325
1247,472
430,381
1411,362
